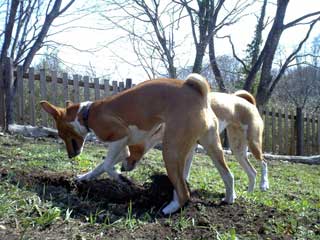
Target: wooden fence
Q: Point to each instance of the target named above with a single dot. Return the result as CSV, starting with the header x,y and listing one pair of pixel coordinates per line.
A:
x,y
290,132
286,132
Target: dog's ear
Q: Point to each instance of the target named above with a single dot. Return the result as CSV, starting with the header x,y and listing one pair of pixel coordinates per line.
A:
x,y
68,103
71,112
51,109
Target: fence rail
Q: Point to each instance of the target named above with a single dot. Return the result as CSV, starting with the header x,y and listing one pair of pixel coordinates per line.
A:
x,y
288,132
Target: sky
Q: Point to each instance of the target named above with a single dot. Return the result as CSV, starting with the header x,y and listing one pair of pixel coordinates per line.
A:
x,y
118,62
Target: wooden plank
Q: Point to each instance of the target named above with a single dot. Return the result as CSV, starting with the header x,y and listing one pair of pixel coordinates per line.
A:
x,y
318,142
106,88
307,139
2,100
54,88
43,96
9,94
54,94
96,89
300,131
280,132
128,83
273,130
114,87
86,91
76,95
293,144
20,95
267,127
31,97
121,86
65,87
313,134
287,134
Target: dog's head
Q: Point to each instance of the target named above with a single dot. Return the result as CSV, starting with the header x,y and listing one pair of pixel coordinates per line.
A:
x,y
65,119
135,154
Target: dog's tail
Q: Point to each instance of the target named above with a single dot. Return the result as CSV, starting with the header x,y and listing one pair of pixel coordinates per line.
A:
x,y
246,95
198,82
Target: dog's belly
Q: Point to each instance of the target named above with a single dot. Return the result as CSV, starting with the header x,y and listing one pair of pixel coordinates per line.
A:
x,y
137,135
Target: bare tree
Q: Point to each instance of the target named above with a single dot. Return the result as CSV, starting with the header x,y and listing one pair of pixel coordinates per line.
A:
x,y
300,87
150,26
162,25
301,83
264,62
25,28
26,24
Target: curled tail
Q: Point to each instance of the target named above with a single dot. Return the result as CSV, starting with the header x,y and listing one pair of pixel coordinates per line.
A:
x,y
198,82
246,95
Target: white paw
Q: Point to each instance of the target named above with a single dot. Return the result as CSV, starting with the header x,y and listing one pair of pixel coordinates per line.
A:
x,y
264,186
83,177
230,199
172,207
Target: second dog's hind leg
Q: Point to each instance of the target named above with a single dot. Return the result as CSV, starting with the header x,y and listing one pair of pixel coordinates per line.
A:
x,y
211,142
188,164
238,145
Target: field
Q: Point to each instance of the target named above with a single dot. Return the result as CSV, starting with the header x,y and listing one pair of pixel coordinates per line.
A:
x,y
40,200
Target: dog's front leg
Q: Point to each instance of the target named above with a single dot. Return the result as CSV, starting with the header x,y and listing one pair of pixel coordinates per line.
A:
x,y
115,154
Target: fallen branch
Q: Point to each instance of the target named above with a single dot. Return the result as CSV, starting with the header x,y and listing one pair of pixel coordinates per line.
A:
x,y
36,132
296,159
31,131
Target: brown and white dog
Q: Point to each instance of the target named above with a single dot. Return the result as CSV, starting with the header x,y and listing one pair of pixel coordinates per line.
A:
x,y
134,115
238,113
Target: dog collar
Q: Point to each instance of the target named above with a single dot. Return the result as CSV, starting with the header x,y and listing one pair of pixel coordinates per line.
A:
x,y
85,115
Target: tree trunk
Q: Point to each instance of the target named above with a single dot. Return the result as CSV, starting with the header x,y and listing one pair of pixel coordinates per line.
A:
x,y
197,66
267,55
215,67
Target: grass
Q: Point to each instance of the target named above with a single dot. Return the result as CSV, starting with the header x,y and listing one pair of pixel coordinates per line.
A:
x,y
294,195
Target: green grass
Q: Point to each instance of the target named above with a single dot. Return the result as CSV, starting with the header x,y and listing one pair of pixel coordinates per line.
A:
x,y
294,194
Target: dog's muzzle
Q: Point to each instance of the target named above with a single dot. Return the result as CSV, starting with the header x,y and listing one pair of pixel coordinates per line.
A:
x,y
76,149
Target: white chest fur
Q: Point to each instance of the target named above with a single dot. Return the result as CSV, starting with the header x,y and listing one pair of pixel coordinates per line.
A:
x,y
137,135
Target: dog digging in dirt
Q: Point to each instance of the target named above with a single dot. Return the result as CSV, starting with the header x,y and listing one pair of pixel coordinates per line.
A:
x,y
239,115
182,108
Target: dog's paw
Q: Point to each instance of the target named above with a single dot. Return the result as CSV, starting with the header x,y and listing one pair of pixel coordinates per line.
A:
x,y
82,177
229,200
264,186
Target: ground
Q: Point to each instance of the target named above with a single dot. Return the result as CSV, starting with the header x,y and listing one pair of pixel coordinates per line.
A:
x,y
39,198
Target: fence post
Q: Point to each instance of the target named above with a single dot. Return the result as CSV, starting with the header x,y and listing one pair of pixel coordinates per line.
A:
x,y
128,83
2,99
299,129
9,91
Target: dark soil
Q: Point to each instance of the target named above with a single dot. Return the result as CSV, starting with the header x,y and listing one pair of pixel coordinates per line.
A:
x,y
110,200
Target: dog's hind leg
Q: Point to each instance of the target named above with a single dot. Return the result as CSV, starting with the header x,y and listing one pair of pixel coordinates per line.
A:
x,y
254,136
255,148
238,145
211,142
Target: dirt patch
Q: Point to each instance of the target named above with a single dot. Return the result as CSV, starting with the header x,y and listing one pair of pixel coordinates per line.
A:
x,y
109,201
